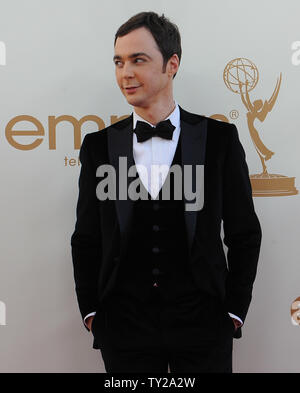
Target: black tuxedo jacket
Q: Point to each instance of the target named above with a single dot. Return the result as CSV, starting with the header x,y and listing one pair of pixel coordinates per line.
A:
x,y
102,230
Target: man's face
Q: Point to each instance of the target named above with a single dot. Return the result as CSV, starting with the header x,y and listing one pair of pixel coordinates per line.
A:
x,y
139,69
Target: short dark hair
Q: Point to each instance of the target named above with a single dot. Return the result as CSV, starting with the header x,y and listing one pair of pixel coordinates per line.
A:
x,y
165,33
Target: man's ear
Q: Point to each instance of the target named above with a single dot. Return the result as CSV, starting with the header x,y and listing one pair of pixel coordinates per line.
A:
x,y
173,65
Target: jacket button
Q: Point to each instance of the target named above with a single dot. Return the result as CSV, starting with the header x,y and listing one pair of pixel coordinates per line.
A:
x,y
155,206
156,271
155,228
155,250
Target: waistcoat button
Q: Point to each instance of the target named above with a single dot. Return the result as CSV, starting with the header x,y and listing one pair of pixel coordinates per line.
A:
x,y
155,206
156,271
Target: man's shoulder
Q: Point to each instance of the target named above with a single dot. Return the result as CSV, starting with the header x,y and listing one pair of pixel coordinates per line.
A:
x,y
101,135
194,118
220,134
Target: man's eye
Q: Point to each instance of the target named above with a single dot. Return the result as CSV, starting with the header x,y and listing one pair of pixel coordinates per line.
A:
x,y
139,60
118,63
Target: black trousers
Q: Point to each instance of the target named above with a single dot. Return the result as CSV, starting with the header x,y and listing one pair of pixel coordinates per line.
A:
x,y
192,334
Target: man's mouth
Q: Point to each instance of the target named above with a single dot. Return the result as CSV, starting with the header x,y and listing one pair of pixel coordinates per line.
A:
x,y
131,89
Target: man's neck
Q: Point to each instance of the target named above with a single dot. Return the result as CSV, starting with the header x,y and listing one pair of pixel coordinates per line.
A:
x,y
156,112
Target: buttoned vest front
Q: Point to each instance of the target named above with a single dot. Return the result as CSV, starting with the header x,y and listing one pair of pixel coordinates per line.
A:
x,y
157,258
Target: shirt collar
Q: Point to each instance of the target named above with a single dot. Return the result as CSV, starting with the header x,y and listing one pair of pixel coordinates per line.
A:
x,y
174,117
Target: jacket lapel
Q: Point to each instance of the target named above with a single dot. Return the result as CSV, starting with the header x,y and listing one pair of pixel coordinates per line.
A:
x,y
120,150
193,148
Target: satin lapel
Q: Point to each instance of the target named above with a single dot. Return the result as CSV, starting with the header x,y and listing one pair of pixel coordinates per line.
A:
x,y
193,148
120,150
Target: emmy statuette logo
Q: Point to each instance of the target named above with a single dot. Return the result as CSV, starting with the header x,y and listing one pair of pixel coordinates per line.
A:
x,y
241,76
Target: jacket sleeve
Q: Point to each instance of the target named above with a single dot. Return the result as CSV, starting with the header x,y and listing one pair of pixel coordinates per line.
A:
x,y
86,239
242,231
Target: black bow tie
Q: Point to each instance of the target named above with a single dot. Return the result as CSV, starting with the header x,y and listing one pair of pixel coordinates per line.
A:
x,y
144,131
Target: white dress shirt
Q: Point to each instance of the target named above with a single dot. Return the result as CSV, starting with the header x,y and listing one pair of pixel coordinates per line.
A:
x,y
156,153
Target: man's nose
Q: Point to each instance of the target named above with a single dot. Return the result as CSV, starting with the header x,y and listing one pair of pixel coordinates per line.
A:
x,y
128,70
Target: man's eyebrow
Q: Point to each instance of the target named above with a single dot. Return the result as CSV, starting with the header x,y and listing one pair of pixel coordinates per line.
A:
x,y
133,55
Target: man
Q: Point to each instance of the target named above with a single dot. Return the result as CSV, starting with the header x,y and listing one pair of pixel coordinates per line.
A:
x,y
152,280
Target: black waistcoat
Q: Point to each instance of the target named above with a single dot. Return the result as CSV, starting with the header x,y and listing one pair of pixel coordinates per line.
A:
x,y
157,259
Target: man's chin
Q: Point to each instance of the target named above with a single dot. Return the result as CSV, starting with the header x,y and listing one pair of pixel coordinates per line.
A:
x,y
134,101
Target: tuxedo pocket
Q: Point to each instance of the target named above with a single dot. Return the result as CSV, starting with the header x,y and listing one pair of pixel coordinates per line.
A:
x,y
99,321
93,323
229,322
98,328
